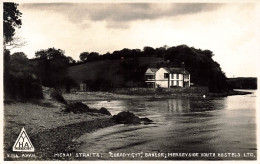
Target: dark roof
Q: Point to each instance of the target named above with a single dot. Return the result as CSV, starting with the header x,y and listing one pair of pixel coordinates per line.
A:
x,y
153,69
176,70
171,70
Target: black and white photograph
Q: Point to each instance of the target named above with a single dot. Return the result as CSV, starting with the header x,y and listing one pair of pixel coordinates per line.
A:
x,y
130,81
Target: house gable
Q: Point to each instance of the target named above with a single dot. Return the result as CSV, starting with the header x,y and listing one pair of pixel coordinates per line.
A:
x,y
151,71
160,74
160,78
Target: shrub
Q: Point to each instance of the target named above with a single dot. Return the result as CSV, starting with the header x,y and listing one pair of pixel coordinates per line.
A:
x,y
159,89
175,87
20,82
99,85
22,87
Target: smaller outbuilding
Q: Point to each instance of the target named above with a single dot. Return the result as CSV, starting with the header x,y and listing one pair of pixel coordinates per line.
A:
x,y
83,87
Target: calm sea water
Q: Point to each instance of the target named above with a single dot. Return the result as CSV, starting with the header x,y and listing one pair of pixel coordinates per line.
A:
x,y
219,125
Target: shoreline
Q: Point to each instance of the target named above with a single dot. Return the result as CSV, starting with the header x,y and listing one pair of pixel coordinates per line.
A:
x,y
47,151
48,143
49,129
106,96
52,131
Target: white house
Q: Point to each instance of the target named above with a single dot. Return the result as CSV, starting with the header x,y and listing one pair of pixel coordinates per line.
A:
x,y
167,77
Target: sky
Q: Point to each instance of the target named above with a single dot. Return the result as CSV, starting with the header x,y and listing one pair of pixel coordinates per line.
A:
x,y
229,30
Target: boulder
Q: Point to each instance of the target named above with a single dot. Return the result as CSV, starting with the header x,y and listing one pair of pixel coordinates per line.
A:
x,y
146,120
127,117
76,107
104,111
79,107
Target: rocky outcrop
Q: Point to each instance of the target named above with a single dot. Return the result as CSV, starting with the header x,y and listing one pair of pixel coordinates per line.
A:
x,y
127,117
104,111
145,120
79,107
76,107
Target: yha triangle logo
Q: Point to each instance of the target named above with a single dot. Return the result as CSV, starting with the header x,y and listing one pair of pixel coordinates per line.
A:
x,y
23,143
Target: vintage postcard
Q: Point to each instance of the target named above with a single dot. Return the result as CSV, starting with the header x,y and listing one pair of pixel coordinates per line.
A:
x,y
130,81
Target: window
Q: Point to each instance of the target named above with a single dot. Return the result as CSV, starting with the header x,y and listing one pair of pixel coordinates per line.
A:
x,y
177,82
177,76
166,75
150,85
186,76
149,77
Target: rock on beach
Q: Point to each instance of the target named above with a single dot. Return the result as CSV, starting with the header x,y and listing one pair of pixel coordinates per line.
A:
x,y
127,117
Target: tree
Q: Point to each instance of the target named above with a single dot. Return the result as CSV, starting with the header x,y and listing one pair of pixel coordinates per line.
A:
x,y
20,65
208,53
148,51
20,81
11,21
93,56
203,69
51,66
83,56
71,60
51,54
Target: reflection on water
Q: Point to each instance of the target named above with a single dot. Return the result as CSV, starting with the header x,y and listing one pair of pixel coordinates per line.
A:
x,y
178,105
180,125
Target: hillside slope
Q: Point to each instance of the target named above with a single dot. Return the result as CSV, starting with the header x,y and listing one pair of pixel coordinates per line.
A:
x,y
114,71
107,70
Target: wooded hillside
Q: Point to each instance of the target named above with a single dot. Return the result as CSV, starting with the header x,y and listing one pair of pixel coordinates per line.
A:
x,y
126,68
243,83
